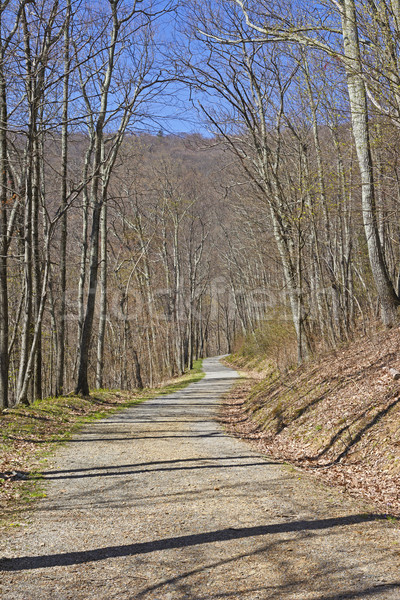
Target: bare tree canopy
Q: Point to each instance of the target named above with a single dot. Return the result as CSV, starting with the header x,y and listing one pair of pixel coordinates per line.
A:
x,y
125,253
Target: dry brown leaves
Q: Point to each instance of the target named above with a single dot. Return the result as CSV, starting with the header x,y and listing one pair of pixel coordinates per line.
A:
x,y
338,418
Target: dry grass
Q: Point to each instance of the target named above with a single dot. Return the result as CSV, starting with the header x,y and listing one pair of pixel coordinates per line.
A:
x,y
273,343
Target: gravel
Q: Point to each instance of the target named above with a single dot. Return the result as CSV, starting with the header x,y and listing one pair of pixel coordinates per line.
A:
x,y
157,502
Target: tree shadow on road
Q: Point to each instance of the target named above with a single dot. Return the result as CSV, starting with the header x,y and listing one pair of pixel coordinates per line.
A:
x,y
294,581
159,466
74,558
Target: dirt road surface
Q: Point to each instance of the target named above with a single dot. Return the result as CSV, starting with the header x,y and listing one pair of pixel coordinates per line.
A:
x,y
157,502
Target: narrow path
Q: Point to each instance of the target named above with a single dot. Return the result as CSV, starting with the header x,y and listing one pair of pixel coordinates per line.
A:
x,y
158,503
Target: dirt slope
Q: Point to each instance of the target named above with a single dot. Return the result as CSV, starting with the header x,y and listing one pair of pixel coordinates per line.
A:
x,y
338,416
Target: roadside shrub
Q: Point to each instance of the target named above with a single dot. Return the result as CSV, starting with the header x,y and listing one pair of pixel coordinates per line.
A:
x,y
273,341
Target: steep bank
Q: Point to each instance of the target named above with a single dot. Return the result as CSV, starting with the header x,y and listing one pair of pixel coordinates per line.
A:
x,y
338,416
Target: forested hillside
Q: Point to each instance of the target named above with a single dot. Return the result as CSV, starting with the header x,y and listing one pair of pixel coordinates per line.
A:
x,y
128,251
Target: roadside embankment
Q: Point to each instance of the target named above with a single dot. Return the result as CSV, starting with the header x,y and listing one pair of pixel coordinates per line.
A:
x,y
338,416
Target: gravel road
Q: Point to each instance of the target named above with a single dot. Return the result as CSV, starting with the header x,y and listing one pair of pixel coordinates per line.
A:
x,y
157,502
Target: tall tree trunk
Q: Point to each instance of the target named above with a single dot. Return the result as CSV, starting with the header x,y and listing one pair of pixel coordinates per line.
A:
x,y
84,255
63,207
36,262
336,328
27,375
388,298
103,297
82,386
98,191
177,299
137,371
27,288
4,327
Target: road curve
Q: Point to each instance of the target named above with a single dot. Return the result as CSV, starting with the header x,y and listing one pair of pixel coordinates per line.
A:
x,y
156,502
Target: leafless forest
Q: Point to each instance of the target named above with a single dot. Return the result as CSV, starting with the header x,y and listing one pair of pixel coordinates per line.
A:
x,y
126,253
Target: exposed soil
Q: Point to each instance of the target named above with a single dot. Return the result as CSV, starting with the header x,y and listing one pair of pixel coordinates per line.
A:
x,y
157,502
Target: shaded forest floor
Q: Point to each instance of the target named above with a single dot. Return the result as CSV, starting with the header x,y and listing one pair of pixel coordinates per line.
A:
x,y
338,417
29,435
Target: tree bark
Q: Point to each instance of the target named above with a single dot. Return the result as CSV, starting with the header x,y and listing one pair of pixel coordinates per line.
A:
x,y
4,327
103,297
82,386
389,300
63,207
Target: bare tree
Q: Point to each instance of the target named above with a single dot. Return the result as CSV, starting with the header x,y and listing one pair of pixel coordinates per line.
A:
x,y
123,22
273,29
252,82
8,29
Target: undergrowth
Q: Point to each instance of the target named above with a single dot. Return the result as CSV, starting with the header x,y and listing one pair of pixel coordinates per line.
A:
x,y
272,346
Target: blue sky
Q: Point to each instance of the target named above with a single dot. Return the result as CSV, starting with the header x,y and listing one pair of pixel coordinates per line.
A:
x,y
174,111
